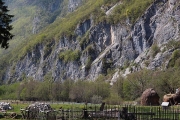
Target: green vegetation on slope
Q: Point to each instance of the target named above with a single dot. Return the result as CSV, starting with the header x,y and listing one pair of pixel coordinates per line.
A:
x,y
129,88
131,9
70,55
29,14
65,26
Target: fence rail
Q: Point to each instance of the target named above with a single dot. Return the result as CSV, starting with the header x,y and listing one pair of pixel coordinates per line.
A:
x,y
109,112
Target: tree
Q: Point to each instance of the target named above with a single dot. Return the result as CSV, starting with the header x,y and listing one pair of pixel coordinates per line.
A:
x,y
167,81
77,91
117,87
5,26
136,83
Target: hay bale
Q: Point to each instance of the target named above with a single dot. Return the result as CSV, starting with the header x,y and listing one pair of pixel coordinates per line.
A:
x,y
150,97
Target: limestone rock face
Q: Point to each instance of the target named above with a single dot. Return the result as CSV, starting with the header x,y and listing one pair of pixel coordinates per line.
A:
x,y
104,45
150,97
73,4
46,8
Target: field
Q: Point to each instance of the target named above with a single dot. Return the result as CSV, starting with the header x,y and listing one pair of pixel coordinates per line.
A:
x,y
70,111
17,106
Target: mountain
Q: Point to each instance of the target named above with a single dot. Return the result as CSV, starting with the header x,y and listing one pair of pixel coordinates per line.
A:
x,y
84,39
31,16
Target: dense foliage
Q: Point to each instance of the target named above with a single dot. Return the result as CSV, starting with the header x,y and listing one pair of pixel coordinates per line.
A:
x,y
129,88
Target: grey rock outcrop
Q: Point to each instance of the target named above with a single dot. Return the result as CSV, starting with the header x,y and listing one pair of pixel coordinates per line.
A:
x,y
73,4
106,46
45,8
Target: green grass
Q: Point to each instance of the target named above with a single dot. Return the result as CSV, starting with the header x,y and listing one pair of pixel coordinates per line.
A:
x,y
158,110
55,106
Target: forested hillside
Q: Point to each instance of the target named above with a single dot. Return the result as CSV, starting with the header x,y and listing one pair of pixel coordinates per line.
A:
x,y
31,16
125,43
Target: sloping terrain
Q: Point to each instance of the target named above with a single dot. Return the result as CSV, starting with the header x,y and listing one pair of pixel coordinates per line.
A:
x,y
31,16
88,42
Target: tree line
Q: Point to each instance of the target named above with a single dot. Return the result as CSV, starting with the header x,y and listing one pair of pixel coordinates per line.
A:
x,y
124,89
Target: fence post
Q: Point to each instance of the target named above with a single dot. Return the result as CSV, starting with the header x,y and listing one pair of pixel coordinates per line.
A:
x,y
134,111
159,113
118,115
73,113
69,114
151,112
106,111
111,112
47,115
95,111
62,114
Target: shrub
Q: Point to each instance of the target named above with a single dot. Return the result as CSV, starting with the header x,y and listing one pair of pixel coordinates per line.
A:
x,y
84,40
88,63
70,55
173,44
154,50
90,49
96,99
175,56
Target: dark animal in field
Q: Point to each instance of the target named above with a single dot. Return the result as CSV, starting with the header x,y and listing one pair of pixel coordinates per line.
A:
x,y
85,114
150,97
102,106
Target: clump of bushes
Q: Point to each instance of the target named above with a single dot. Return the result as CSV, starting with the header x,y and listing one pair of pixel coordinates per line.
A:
x,y
154,50
175,59
131,9
70,55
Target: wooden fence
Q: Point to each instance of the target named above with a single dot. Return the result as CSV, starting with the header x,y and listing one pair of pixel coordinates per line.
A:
x,y
109,112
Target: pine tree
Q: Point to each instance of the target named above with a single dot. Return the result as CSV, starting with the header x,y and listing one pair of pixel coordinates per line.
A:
x,y
5,26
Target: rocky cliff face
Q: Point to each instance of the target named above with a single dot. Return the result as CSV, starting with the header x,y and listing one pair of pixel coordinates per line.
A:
x,y
73,4
52,9
122,47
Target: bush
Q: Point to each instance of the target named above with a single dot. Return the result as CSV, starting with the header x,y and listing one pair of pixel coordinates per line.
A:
x,y
154,50
173,44
175,56
88,63
96,99
70,55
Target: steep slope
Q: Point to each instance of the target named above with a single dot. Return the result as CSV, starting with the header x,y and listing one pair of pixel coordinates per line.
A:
x,y
89,42
31,16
